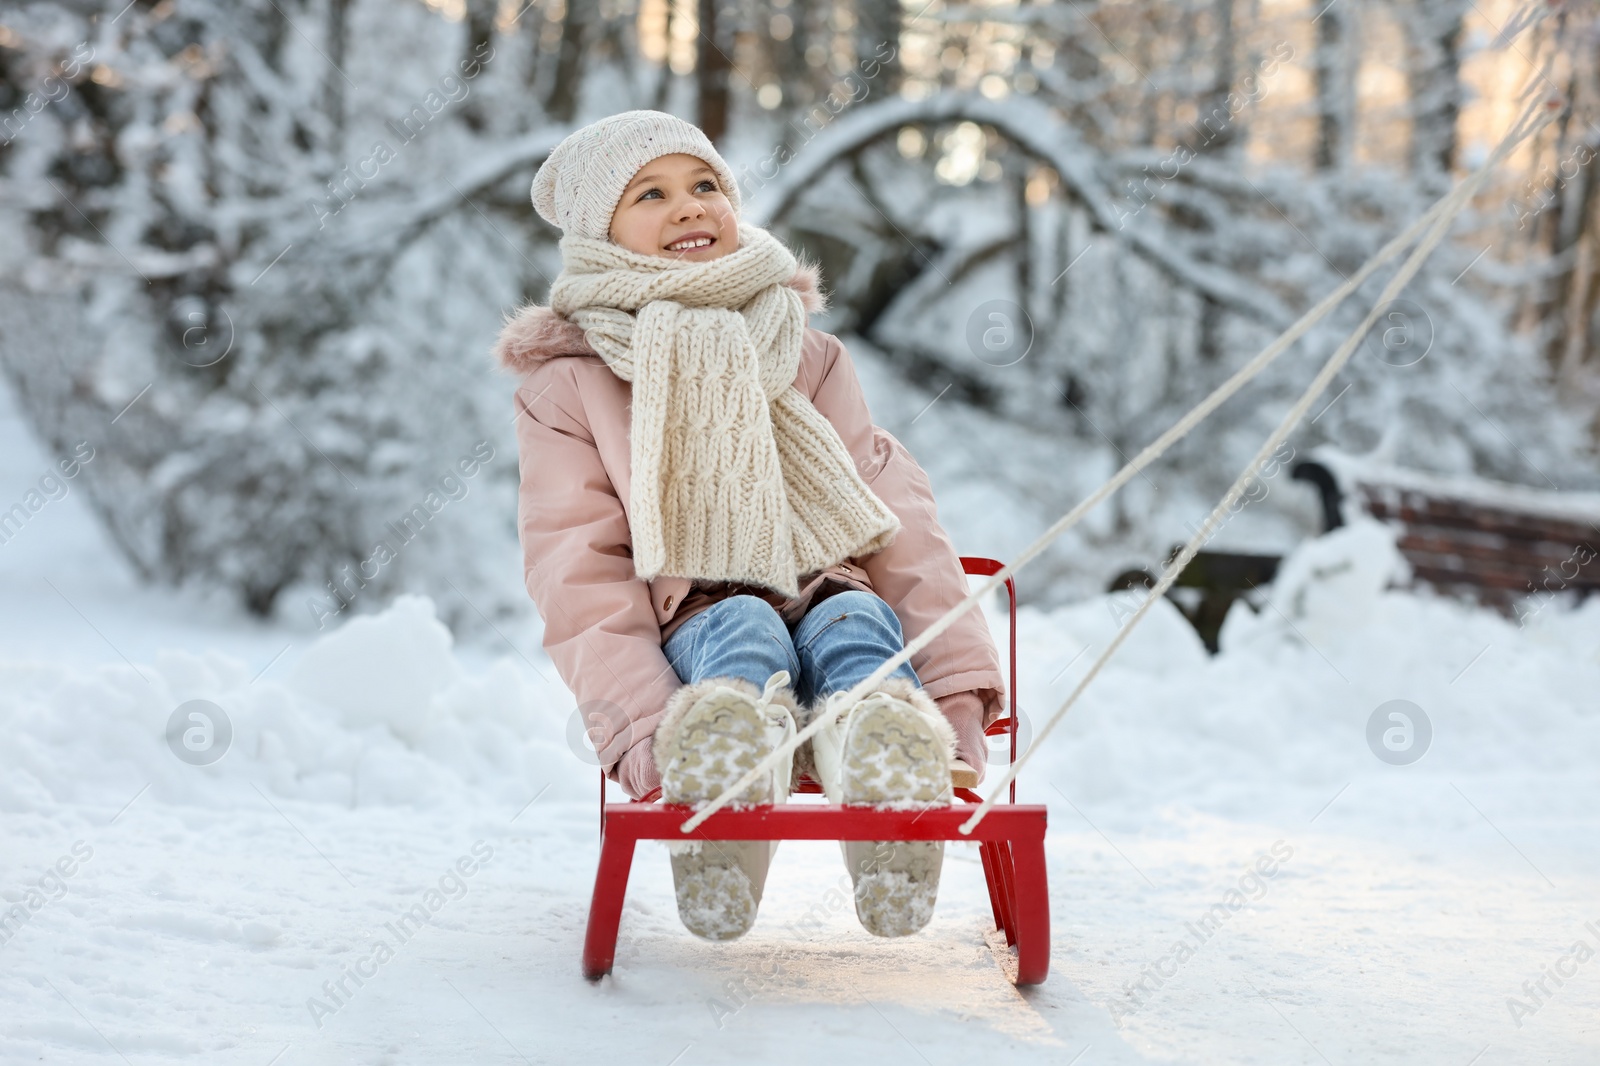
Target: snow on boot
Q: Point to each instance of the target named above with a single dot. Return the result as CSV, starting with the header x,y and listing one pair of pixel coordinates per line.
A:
x,y
712,733
892,749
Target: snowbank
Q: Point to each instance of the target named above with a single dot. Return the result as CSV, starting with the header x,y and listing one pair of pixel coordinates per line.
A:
x,y
382,712
378,712
177,907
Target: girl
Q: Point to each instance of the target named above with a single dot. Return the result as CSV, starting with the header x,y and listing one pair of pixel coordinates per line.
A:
x,y
719,540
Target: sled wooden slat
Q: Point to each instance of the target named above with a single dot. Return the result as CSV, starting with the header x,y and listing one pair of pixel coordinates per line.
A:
x,y
1010,839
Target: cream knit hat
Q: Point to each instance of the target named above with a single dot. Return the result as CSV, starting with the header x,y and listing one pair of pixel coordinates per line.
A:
x,y
577,188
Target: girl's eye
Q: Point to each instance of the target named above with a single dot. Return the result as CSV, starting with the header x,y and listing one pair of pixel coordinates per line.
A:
x,y
703,181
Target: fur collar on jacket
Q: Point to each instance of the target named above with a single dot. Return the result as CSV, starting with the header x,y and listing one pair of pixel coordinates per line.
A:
x,y
534,332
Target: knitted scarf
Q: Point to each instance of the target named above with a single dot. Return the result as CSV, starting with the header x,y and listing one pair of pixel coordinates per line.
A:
x,y
736,475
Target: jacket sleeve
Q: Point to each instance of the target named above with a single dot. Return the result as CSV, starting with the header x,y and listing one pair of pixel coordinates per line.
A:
x,y
919,573
599,627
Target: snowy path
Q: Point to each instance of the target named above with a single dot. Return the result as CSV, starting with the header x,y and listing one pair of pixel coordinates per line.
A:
x,y
207,906
201,935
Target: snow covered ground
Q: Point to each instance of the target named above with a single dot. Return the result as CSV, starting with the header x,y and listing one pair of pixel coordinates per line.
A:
x,y
1235,875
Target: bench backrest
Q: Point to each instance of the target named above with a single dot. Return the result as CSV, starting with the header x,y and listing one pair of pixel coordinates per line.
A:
x,y
1499,543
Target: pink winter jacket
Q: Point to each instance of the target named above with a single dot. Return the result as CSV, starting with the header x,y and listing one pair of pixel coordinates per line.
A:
x,y
604,624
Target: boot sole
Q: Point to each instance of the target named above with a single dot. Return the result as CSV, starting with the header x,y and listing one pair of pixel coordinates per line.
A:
x,y
718,882
893,759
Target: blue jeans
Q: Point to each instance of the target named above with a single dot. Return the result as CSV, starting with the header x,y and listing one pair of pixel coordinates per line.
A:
x,y
837,643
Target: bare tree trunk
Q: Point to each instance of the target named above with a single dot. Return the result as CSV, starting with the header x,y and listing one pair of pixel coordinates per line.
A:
x,y
1080,63
787,57
480,25
1216,130
1433,71
562,103
480,35
1148,35
338,25
1580,299
1563,231
1227,44
1211,321
1573,234
1334,84
619,49
664,86
533,26
711,75
820,35
878,25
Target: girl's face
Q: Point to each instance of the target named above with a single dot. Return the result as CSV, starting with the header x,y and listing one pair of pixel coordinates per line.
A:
x,y
675,198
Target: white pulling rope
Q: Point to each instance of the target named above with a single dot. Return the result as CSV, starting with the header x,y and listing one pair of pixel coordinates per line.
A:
x,y
1450,203
1455,202
1223,392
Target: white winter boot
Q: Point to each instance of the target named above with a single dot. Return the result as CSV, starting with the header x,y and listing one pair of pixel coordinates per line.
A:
x,y
892,749
714,732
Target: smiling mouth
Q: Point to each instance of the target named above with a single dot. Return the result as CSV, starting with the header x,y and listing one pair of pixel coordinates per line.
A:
x,y
693,246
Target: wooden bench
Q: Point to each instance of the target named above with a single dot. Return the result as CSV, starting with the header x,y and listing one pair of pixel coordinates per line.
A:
x,y
1208,586
1499,544
1509,547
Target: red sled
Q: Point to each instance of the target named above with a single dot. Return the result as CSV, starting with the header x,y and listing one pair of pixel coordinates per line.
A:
x,y
1011,841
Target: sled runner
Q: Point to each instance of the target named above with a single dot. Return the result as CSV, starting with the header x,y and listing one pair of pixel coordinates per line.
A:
x,y
1011,841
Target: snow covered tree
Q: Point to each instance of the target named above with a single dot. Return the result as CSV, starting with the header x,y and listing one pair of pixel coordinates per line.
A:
x,y
263,248
251,232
